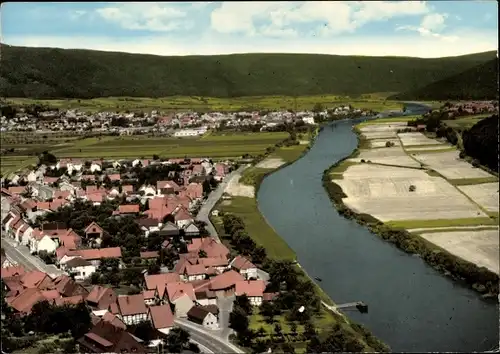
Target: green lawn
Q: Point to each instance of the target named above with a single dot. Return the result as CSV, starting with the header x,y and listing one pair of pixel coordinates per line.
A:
x,y
466,122
375,102
415,224
257,227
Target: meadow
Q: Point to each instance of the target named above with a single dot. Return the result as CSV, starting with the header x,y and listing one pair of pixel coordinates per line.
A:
x,y
375,101
466,122
225,145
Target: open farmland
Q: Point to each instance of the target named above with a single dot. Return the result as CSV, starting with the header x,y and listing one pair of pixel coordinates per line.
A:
x,y
229,145
380,143
484,194
448,164
432,148
416,138
388,156
479,247
382,130
384,193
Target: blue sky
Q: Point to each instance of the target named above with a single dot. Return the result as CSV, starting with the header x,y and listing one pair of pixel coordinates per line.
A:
x,y
403,28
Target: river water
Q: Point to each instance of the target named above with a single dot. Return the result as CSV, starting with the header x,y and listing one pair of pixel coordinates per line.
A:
x,y
411,306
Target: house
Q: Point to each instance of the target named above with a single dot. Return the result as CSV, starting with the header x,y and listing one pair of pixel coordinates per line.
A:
x,y
149,255
244,267
202,316
95,166
148,191
166,187
169,230
148,225
161,318
11,271
94,255
114,320
219,263
254,290
224,284
129,209
182,217
81,268
150,297
181,295
68,287
159,282
194,272
191,230
42,242
205,297
93,231
101,297
107,338
210,246
132,309
24,300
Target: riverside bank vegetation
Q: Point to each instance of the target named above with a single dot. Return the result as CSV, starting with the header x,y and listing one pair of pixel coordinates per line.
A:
x,y
479,278
30,72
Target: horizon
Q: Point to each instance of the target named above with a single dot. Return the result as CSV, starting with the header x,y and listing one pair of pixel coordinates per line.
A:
x,y
418,29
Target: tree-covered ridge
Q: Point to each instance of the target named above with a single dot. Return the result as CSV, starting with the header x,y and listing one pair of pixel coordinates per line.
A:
x,y
481,142
477,83
59,73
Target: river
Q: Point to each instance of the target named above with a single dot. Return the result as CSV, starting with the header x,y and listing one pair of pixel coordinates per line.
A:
x,y
411,306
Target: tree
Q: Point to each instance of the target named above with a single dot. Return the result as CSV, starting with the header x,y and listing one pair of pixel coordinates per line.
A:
x,y
288,348
145,331
238,320
243,302
153,268
278,330
46,158
177,340
318,107
206,187
202,254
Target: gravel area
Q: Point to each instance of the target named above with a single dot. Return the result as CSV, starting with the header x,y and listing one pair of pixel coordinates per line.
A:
x,y
271,163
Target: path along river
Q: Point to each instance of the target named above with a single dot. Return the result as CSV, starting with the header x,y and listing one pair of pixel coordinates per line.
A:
x,y
411,306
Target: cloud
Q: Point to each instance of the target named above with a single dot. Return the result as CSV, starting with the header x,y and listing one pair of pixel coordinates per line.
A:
x,y
157,17
431,26
329,17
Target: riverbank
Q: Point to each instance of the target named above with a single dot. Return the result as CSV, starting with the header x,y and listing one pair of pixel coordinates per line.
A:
x,y
264,235
409,195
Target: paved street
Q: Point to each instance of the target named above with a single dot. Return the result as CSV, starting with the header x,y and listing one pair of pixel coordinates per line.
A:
x,y
207,338
21,255
213,198
225,305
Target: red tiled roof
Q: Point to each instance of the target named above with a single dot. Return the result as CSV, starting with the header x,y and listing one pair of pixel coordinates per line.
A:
x,y
131,305
51,294
149,254
182,214
115,321
12,271
225,280
194,269
91,226
159,281
17,190
213,261
25,300
161,316
99,253
101,296
72,300
124,209
178,289
242,263
252,288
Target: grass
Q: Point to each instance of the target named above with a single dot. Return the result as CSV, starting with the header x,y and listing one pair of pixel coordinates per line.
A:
x,y
388,120
456,229
470,181
206,104
337,171
416,224
465,122
252,176
289,153
257,227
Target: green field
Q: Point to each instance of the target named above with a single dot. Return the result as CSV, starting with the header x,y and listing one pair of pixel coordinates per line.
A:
x,y
466,122
416,224
229,145
374,102
257,227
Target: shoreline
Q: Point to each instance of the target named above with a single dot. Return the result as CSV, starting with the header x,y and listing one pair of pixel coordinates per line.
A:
x,y
368,338
478,278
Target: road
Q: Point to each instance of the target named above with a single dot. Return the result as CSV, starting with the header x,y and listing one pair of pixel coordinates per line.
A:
x,y
21,255
225,305
207,338
212,199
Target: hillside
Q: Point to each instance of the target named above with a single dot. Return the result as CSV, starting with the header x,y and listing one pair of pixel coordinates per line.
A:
x,y
52,73
477,83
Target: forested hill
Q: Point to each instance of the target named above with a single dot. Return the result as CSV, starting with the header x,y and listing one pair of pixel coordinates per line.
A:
x,y
51,73
477,83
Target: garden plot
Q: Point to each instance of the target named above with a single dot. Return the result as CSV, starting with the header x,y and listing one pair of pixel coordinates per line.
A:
x,y
389,156
380,143
448,164
484,194
478,247
416,138
384,192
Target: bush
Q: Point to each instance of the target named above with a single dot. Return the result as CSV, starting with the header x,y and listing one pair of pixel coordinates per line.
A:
x,y
412,188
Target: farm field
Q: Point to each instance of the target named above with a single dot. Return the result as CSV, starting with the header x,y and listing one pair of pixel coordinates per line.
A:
x,y
383,192
390,156
479,247
449,165
374,102
453,204
416,138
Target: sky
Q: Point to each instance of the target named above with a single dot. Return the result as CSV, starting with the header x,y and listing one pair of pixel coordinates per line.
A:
x,y
425,29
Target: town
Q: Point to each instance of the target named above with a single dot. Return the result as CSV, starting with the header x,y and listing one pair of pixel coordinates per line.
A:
x,y
130,243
